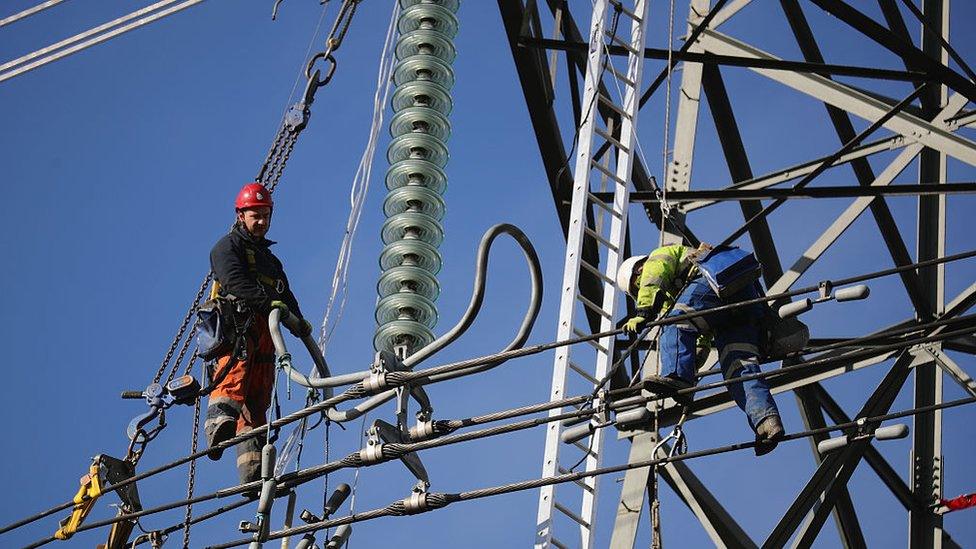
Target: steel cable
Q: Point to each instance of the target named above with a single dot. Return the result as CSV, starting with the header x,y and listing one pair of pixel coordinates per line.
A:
x,y
525,351
291,480
433,501
827,163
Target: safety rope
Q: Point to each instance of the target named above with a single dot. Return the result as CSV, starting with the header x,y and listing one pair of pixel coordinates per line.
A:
x,y
360,187
666,152
589,107
655,504
692,38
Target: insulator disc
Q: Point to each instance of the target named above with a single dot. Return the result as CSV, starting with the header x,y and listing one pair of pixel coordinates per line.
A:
x,y
424,42
423,68
449,4
422,94
411,172
399,200
407,306
388,335
420,120
426,228
411,253
419,146
428,16
423,283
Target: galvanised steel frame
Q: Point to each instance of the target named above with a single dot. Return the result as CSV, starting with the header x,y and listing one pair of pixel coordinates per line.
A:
x,y
927,131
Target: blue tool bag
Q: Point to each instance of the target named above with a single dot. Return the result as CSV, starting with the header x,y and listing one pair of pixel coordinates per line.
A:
x,y
214,336
728,269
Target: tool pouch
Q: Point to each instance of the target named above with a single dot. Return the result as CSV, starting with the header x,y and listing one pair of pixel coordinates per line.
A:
x,y
782,336
728,269
220,330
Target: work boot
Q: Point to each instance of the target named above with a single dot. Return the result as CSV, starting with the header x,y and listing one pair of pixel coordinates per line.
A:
x,y
668,387
224,431
768,433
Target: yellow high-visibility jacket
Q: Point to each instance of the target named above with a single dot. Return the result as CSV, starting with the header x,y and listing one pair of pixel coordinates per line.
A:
x,y
665,271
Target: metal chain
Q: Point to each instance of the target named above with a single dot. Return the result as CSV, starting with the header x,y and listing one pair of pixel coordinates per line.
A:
x,y
297,116
192,475
183,326
274,164
183,350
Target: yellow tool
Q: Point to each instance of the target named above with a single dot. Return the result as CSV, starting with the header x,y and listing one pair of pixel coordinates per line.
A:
x,y
84,500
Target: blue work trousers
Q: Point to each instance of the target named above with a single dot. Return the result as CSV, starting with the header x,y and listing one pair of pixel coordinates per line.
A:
x,y
736,337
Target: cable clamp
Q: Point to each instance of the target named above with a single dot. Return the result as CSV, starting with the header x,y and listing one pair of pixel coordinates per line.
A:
x,y
373,451
375,383
826,288
422,430
602,415
417,501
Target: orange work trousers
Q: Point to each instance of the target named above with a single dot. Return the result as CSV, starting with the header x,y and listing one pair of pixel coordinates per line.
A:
x,y
243,396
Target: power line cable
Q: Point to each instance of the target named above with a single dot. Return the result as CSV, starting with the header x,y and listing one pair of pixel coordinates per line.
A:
x,y
433,501
29,11
394,451
417,377
80,45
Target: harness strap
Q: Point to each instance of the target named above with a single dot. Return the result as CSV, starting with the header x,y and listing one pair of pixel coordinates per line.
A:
x,y
697,322
277,284
738,347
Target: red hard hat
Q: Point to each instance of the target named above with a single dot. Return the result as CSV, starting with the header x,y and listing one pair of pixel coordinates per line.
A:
x,y
253,195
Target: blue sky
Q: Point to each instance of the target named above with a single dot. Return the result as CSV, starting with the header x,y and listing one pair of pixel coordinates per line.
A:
x,y
121,166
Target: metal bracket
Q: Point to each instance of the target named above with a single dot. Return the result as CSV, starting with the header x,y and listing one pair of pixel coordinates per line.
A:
x,y
826,288
417,501
381,432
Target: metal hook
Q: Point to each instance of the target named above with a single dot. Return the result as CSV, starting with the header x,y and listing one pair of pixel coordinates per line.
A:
x,y
274,10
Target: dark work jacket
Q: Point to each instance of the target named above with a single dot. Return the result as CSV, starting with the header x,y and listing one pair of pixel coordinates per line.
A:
x,y
256,282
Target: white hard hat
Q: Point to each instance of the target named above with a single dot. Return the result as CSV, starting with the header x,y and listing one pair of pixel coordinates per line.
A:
x,y
626,272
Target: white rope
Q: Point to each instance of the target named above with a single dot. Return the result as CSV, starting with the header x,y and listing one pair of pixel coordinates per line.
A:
x,y
360,186
29,11
665,207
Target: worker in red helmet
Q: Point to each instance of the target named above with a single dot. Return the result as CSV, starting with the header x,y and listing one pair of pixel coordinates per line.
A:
x,y
253,282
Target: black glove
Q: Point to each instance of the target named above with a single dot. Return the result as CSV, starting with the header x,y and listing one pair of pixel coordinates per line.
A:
x,y
303,329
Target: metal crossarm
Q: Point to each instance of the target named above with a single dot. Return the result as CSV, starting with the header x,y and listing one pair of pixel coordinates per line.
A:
x,y
605,224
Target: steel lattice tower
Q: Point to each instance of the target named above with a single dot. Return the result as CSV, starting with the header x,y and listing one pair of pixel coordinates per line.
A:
x,y
545,35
